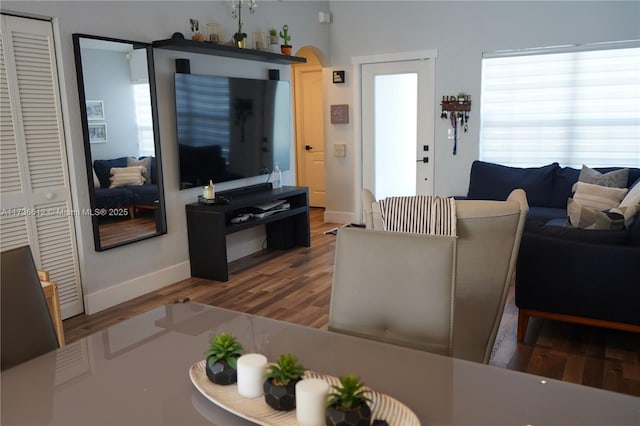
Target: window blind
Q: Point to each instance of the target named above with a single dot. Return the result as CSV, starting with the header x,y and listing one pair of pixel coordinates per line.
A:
x,y
573,106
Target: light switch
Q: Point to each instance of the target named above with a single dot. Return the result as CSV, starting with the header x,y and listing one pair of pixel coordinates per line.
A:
x,y
339,150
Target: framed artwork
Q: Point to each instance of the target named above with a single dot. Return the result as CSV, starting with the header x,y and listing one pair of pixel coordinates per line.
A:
x,y
338,77
340,114
95,110
97,132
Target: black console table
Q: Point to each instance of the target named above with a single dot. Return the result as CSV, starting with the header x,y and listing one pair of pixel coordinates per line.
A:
x,y
209,224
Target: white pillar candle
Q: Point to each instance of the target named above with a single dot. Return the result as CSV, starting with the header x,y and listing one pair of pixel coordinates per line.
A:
x,y
311,399
207,192
251,371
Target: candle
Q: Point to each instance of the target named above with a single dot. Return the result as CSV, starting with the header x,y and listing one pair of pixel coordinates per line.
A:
x,y
251,370
311,399
207,192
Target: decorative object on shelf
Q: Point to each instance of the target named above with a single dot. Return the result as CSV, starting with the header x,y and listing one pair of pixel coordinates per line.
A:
x,y
285,48
340,114
338,77
348,404
195,30
274,45
222,359
209,191
311,401
280,383
277,177
177,36
456,109
259,42
251,370
212,33
240,37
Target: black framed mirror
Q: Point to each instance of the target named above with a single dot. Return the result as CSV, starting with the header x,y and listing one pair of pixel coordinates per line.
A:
x,y
116,87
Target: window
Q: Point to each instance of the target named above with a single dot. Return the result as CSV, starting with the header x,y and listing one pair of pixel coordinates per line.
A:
x,y
574,106
146,142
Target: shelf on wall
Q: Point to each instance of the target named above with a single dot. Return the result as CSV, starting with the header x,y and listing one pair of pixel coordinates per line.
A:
x,y
207,48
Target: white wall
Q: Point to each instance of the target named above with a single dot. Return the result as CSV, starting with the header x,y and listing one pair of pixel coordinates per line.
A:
x,y
119,274
460,31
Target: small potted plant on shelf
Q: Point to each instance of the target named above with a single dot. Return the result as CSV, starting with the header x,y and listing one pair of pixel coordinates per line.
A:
x,y
273,36
286,38
347,405
280,384
222,359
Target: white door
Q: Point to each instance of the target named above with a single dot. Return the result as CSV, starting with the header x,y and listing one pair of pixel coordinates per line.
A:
x,y
398,127
34,182
310,131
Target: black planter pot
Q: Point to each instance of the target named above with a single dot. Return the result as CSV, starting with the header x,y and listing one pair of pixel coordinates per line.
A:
x,y
281,398
357,416
221,373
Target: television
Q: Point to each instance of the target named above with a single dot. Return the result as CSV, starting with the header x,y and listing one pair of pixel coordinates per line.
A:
x,y
231,128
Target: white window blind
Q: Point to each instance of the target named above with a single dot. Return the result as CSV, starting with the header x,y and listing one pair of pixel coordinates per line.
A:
x,y
144,120
573,106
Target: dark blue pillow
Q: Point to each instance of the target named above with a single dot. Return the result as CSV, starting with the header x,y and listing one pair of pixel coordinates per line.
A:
x,y
103,169
495,182
565,177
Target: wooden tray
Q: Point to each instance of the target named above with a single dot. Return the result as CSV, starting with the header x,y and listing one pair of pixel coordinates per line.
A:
x,y
383,407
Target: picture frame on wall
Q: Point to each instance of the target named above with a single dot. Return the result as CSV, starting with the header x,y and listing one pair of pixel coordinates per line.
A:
x,y
340,114
97,132
95,110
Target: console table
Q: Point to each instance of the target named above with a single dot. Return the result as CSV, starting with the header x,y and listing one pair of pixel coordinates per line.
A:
x,y
209,224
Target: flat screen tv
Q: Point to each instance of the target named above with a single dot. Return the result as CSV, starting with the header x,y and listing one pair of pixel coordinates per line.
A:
x,y
231,128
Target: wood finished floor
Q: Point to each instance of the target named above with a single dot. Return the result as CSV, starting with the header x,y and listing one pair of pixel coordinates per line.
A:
x,y
295,286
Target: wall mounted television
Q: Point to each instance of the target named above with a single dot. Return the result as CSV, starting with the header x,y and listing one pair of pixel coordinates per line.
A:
x,y
231,128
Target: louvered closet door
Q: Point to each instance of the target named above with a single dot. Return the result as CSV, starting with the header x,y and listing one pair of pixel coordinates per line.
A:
x,y
34,183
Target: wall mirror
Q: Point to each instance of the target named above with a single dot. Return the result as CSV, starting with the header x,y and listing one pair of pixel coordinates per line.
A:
x,y
116,86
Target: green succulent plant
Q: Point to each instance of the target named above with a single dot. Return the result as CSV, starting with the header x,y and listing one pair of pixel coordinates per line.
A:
x,y
349,393
224,347
286,370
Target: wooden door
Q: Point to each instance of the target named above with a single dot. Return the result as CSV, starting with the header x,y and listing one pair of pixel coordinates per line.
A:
x,y
310,131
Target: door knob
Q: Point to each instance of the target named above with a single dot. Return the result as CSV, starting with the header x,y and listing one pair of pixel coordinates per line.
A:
x,y
308,147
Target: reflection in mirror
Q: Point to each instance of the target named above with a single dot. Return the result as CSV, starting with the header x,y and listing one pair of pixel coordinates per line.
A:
x,y
119,119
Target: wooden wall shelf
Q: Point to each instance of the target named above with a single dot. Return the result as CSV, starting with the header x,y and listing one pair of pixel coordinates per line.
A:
x,y
207,48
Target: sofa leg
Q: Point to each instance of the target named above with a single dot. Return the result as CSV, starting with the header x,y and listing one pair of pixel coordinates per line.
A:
x,y
523,322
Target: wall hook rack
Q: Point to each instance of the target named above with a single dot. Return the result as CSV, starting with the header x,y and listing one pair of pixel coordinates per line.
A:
x,y
456,109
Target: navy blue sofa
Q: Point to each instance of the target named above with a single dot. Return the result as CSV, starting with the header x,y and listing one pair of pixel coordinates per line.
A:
x,y
574,275
129,197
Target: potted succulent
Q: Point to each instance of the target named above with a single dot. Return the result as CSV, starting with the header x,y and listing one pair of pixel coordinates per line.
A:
x,y
222,359
286,38
347,405
273,36
280,384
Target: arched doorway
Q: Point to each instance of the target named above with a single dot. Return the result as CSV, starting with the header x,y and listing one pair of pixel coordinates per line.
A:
x,y
309,123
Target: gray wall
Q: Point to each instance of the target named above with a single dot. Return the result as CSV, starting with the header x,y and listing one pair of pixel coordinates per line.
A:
x,y
460,31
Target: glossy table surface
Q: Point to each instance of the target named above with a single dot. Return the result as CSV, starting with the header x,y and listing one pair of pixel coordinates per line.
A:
x,y
136,373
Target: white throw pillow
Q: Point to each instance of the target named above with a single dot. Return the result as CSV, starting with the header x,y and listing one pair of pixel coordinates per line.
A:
x,y
633,196
126,176
598,197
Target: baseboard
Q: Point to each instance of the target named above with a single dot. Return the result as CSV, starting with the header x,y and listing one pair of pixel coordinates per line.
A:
x,y
339,217
114,295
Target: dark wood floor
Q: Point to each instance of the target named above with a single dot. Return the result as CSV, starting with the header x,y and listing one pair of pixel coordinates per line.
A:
x,y
295,286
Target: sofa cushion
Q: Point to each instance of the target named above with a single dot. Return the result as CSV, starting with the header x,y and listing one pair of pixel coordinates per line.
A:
x,y
612,179
598,197
619,237
152,170
103,169
495,182
144,162
562,190
547,213
125,176
583,217
633,196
